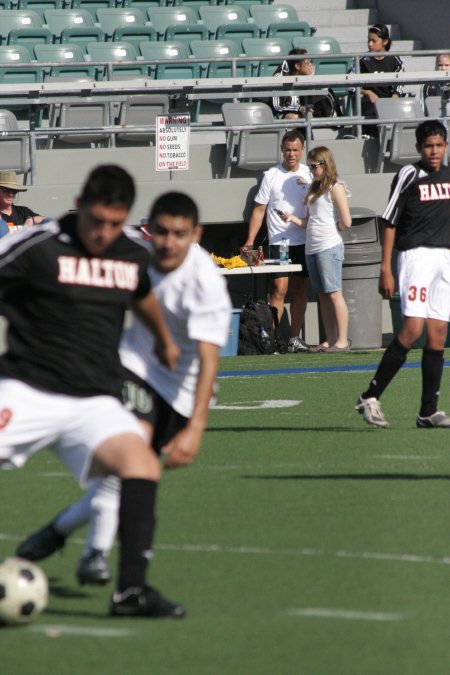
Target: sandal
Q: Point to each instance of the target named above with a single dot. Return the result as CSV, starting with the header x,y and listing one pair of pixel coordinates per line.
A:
x,y
334,348
318,349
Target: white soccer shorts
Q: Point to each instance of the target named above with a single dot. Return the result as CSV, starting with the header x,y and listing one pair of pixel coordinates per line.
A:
x,y
424,283
72,427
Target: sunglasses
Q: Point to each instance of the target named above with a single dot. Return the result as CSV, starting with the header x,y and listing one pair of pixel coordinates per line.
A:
x,y
314,165
5,189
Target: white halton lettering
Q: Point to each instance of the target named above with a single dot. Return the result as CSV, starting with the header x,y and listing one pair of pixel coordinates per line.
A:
x,y
98,273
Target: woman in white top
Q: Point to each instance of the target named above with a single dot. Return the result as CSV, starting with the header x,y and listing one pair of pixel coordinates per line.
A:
x,y
328,212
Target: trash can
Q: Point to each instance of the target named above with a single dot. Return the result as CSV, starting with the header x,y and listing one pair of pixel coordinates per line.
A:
x,y
231,348
360,276
397,321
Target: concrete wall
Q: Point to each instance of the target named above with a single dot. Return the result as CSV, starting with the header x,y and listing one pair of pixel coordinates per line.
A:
x,y
427,20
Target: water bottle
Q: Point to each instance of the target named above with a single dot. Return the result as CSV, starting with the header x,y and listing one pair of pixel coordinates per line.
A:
x,y
265,340
284,252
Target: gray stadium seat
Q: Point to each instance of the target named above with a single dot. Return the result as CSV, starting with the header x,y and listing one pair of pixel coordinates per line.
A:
x,y
253,149
436,108
14,150
79,114
141,110
397,140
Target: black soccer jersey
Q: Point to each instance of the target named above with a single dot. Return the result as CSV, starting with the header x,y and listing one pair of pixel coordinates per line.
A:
x,y
66,307
388,64
419,207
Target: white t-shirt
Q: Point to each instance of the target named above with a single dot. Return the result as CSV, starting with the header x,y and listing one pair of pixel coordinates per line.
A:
x,y
286,191
322,231
196,306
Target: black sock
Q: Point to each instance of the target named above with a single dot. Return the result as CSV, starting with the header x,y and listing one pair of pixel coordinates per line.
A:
x,y
393,359
432,367
136,527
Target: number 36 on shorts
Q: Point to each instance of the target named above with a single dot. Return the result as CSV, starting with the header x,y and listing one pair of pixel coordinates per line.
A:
x,y
415,293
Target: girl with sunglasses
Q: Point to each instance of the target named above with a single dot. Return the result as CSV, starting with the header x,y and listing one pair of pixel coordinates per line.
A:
x,y
328,212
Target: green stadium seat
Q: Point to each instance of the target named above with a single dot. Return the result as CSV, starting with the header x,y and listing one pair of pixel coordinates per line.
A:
x,y
317,44
178,71
39,6
276,48
216,16
70,56
145,5
82,36
92,6
110,19
25,73
236,32
163,17
109,52
187,32
290,29
219,49
17,19
163,51
246,4
61,19
264,15
135,35
29,37
195,4
326,45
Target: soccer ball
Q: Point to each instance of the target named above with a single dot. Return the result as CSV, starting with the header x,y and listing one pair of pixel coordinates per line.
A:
x,y
23,591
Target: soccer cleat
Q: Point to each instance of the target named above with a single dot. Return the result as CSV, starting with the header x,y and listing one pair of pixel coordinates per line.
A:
x,y
436,420
144,602
297,345
370,409
41,544
94,569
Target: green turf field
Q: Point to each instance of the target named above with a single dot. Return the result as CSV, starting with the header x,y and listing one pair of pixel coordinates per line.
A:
x,y
302,541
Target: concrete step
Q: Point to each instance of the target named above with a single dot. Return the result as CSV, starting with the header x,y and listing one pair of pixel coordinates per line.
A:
x,y
346,17
357,45
342,31
321,5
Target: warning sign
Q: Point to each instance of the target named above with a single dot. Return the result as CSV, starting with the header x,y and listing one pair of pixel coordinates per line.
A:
x,y
172,142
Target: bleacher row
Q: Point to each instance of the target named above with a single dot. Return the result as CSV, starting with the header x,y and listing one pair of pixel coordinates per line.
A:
x,y
148,33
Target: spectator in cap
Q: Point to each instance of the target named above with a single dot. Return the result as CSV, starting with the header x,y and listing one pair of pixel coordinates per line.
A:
x,y
11,213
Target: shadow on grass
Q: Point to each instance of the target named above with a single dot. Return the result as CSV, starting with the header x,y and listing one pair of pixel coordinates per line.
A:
x,y
62,591
353,476
72,613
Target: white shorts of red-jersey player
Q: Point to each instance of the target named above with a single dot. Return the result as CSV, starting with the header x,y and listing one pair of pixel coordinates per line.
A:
x,y
424,282
70,426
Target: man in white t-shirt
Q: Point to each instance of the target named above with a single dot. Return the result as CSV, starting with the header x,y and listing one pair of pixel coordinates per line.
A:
x,y
283,189
172,405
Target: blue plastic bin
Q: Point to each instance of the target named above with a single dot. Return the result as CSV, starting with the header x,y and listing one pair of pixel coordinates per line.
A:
x,y
231,348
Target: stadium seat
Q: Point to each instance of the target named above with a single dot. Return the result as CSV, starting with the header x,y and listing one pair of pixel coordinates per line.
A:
x,y
110,19
145,5
246,4
26,72
62,19
236,32
317,44
163,51
79,114
253,149
265,15
141,110
82,36
195,4
435,107
276,48
92,6
219,49
163,17
398,140
109,52
39,6
135,35
289,29
215,16
326,45
70,56
14,150
187,32
15,19
29,37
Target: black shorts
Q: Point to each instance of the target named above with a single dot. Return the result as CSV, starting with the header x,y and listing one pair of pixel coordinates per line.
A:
x,y
140,399
297,256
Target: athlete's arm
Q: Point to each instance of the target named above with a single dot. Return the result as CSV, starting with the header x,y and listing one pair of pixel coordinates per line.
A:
x,y
149,311
256,220
184,446
387,281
